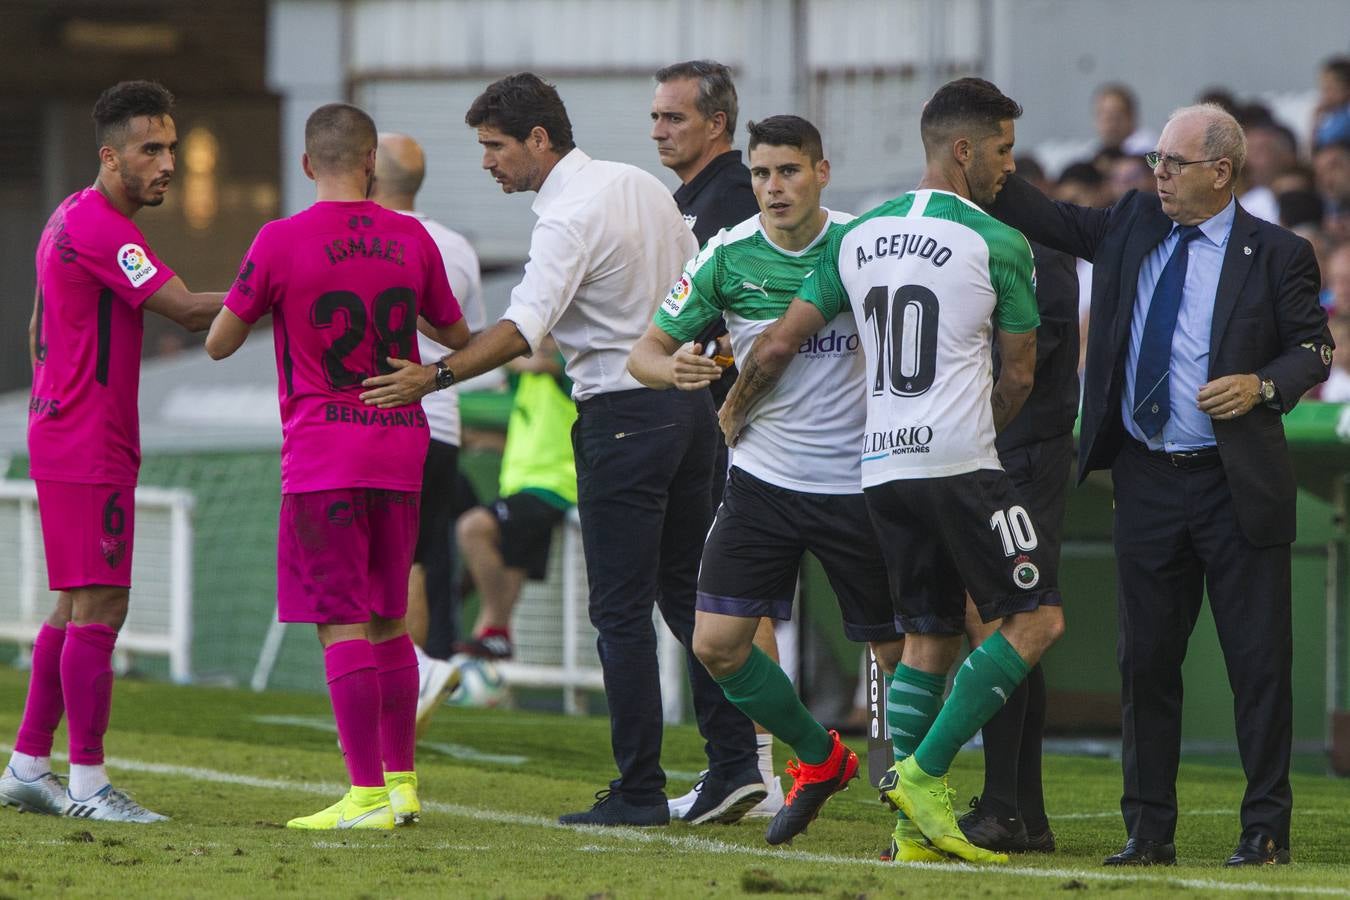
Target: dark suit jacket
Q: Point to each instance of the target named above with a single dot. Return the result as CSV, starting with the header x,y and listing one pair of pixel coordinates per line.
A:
x,y
719,196
1052,406
1267,321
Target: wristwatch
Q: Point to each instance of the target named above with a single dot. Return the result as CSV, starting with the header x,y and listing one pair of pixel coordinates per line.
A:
x,y
445,376
1269,395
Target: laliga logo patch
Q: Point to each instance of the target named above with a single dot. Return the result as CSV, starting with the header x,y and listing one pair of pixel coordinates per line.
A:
x,y
136,265
674,301
1025,574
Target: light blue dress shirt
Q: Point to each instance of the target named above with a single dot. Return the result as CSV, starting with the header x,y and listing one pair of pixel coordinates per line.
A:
x,y
1187,428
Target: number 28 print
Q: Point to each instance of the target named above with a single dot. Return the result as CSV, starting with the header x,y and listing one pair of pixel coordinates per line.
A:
x,y
394,318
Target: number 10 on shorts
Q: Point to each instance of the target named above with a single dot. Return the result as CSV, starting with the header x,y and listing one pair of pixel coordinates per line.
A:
x,y
1014,530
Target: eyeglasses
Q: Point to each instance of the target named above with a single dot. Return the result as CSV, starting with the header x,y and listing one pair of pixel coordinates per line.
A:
x,y
1172,165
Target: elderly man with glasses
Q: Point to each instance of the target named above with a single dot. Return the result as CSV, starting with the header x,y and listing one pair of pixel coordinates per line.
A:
x,y
1204,330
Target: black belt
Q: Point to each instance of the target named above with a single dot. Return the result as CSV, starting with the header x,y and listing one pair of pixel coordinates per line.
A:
x,y
1182,459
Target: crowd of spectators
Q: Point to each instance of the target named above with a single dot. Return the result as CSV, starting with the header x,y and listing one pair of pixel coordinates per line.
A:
x,y
1296,176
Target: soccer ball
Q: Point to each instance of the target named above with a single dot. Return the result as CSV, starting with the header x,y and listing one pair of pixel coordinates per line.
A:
x,y
480,684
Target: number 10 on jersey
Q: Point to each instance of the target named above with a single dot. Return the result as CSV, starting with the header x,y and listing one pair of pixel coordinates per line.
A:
x,y
904,323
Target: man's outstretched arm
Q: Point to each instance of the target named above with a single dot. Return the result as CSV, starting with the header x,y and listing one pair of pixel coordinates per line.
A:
x,y
761,368
410,382
658,361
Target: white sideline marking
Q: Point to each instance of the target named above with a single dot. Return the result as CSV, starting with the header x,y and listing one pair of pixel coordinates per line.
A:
x,y
455,751
1115,814
707,845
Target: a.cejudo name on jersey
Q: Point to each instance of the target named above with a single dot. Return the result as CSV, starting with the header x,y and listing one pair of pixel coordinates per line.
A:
x,y
907,439
904,244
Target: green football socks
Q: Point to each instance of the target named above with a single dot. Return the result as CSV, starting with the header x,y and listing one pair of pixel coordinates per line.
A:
x,y
983,684
762,691
912,704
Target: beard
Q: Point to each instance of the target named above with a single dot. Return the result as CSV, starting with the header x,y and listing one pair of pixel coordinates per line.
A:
x,y
141,191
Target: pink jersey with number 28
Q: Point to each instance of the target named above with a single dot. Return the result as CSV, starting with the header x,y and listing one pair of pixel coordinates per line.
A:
x,y
345,283
94,273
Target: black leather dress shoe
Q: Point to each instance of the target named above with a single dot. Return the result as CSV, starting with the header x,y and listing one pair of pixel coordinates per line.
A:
x,y
1258,850
1138,852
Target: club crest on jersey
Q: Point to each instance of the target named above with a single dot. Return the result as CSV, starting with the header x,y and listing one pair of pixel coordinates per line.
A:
x,y
135,264
113,549
674,301
1025,574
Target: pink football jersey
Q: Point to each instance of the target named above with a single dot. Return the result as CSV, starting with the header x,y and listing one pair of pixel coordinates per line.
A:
x,y
345,282
94,273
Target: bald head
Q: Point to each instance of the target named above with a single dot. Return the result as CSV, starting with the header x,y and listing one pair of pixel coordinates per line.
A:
x,y
400,166
338,139
1223,137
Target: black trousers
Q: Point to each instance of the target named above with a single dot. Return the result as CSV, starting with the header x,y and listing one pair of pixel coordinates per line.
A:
x,y
441,506
1177,535
644,493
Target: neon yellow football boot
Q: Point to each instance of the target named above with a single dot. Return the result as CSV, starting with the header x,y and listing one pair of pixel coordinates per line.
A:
x,y
909,845
927,801
403,797
361,807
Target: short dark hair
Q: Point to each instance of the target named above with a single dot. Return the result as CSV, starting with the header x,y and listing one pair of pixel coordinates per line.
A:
x,y
1252,114
1284,132
967,107
1082,172
517,104
124,101
1341,144
1029,167
1219,96
716,90
787,131
1339,66
1120,90
339,137
1300,208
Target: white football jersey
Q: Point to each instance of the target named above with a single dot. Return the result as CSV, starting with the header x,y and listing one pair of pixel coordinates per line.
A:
x,y
801,434
927,275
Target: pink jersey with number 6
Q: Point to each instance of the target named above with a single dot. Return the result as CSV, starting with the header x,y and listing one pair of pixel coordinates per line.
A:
x,y
94,273
345,282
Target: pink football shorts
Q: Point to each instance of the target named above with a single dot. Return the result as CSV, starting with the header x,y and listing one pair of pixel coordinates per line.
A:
x,y
88,531
343,555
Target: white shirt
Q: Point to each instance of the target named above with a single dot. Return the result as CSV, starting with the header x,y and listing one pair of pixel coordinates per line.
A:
x,y
461,269
1261,202
1337,386
608,245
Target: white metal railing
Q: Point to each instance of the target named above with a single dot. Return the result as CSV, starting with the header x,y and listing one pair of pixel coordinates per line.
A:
x,y
555,641
160,618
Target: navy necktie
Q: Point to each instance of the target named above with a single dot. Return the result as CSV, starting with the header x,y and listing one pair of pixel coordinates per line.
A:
x,y
1152,405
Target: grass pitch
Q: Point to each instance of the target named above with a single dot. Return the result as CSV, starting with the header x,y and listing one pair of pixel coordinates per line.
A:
x,y
230,767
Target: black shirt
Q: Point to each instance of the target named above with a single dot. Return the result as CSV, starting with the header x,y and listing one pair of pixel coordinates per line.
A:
x,y
719,197
1052,406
